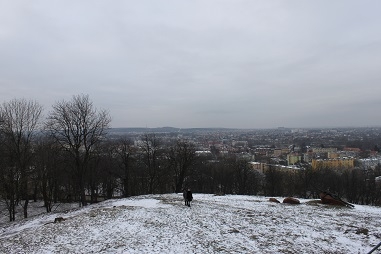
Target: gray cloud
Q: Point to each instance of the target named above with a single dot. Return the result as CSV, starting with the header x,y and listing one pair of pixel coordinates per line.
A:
x,y
247,64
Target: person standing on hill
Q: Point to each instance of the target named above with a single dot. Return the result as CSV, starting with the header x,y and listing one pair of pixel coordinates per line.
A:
x,y
188,197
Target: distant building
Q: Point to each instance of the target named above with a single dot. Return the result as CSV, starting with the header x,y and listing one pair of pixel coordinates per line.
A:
x,y
203,153
324,149
352,149
277,152
280,151
285,150
307,157
369,163
263,151
264,167
333,155
293,158
260,167
240,144
339,163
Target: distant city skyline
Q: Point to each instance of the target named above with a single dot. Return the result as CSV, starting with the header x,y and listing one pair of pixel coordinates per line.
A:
x,y
199,64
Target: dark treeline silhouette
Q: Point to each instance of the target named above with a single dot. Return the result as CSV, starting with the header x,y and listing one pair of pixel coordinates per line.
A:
x,y
68,157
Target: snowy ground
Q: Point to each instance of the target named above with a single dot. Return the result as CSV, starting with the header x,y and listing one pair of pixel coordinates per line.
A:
x,y
214,224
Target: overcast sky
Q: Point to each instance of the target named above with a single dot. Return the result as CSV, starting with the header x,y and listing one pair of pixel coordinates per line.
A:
x,y
198,63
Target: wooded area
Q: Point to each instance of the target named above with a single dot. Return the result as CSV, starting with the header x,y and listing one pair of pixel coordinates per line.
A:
x,y
68,157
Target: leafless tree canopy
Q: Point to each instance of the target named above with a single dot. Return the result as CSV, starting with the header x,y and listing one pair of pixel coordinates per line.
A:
x,y
182,156
78,127
19,121
76,124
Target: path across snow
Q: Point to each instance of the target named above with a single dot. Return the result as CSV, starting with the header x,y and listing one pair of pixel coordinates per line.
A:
x,y
213,224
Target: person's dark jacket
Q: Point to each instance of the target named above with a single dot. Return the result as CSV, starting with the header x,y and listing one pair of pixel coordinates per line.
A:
x,y
189,195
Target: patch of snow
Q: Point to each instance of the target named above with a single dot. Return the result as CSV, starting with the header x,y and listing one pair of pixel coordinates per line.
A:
x,y
146,203
213,224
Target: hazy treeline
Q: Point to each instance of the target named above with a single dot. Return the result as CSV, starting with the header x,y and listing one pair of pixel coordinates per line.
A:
x,y
69,157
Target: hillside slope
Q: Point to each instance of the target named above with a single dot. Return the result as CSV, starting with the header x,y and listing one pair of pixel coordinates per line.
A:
x,y
214,224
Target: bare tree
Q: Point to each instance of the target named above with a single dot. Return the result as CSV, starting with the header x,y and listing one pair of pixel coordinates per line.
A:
x,y
182,156
241,173
107,165
19,119
274,182
48,163
78,127
8,185
125,150
150,148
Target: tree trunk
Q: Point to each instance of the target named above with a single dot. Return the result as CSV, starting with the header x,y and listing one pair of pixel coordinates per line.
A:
x,y
12,210
25,207
179,185
35,193
125,187
82,193
83,197
26,197
110,190
47,198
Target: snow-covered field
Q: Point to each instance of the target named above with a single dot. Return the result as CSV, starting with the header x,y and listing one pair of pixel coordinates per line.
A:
x,y
213,224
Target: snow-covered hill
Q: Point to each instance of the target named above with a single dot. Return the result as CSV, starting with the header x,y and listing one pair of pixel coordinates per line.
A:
x,y
213,224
